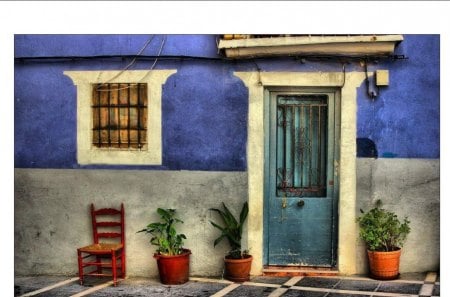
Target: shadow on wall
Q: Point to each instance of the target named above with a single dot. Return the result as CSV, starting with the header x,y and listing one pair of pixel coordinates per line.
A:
x,y
366,148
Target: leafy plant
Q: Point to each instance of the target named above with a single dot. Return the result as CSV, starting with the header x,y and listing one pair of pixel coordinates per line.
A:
x,y
164,234
382,230
231,230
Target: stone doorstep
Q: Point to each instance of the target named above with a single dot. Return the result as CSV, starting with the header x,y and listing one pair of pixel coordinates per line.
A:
x,y
298,271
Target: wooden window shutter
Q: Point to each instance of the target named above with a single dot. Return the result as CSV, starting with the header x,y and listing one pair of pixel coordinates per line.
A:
x,y
119,113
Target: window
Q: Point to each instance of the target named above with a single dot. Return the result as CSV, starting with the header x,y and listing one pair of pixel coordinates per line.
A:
x,y
302,136
119,113
119,116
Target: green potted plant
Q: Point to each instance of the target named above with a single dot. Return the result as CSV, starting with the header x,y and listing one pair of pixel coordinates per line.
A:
x,y
237,262
172,258
384,235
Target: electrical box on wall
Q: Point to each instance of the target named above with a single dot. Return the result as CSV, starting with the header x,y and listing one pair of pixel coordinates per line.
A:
x,y
382,78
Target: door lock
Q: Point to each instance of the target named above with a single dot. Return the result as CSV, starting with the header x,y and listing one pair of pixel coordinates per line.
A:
x,y
300,203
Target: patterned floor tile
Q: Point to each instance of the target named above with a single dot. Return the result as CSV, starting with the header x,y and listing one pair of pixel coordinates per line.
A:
x,y
357,285
270,279
403,288
346,295
318,282
250,291
437,290
298,293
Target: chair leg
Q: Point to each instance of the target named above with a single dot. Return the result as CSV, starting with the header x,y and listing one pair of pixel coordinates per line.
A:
x,y
80,268
123,263
114,267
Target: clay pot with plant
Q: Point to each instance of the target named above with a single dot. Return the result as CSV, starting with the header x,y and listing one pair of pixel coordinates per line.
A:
x,y
384,235
172,258
237,262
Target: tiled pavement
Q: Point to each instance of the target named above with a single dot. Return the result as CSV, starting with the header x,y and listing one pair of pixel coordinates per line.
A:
x,y
408,285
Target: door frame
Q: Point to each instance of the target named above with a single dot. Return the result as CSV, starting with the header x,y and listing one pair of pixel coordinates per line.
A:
x,y
269,94
348,83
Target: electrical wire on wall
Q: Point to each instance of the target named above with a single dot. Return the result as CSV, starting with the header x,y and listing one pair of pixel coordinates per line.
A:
x,y
303,60
156,59
259,73
133,61
371,94
344,73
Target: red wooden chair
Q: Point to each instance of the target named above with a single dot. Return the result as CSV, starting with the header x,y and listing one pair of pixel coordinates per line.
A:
x,y
108,226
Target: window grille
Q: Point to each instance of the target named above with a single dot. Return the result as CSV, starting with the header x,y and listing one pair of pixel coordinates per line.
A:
x,y
119,113
302,137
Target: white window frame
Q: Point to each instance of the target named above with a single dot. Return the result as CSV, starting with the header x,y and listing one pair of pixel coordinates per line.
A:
x,y
87,153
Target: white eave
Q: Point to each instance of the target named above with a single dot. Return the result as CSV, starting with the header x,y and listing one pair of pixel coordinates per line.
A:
x,y
365,45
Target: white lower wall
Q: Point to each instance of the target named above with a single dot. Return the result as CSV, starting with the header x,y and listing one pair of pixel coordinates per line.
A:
x,y
52,219
409,187
51,215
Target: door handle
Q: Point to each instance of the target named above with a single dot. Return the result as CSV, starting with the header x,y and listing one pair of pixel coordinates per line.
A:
x,y
300,203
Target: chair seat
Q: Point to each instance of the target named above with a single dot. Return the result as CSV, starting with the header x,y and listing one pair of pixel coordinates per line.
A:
x,y
101,247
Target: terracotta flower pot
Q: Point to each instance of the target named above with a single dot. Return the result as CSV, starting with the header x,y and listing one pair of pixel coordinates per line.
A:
x,y
384,265
238,270
173,270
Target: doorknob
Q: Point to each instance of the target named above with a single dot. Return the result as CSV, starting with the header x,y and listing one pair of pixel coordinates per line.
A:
x,y
300,203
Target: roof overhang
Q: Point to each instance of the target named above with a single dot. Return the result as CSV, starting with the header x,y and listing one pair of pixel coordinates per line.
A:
x,y
353,46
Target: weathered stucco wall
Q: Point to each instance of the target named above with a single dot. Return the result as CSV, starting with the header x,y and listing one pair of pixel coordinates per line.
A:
x,y
205,120
409,187
52,214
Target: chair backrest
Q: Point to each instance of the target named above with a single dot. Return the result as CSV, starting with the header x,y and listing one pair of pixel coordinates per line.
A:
x,y
108,223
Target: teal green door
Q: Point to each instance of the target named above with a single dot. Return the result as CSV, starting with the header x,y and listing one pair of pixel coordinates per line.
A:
x,y
301,178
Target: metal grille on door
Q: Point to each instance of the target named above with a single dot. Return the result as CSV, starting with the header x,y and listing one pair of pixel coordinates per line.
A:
x,y
301,142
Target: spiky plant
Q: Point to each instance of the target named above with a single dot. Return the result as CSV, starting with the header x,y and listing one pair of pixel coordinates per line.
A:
x,y
231,230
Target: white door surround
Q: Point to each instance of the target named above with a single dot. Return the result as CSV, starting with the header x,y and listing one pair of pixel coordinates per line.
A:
x,y
257,83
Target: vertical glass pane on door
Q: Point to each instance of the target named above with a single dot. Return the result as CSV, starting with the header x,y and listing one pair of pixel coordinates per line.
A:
x,y
301,145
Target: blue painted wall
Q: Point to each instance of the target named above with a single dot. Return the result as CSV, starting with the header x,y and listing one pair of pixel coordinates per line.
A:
x,y
204,106
403,121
